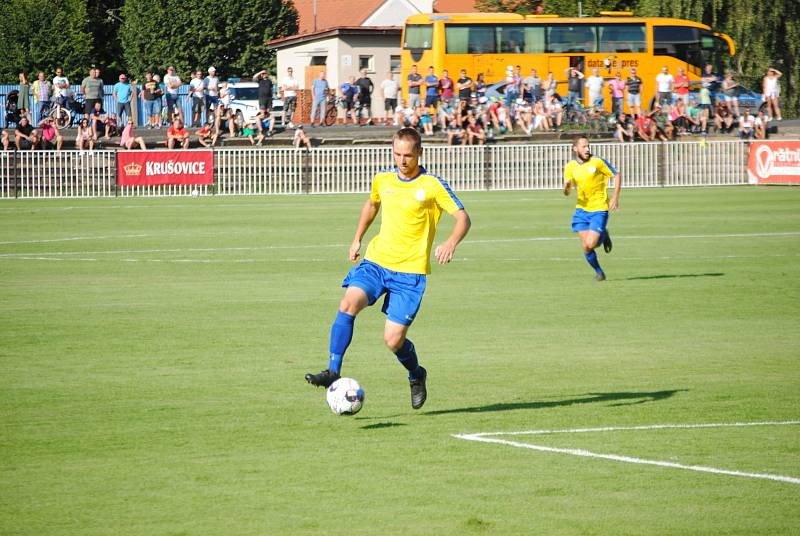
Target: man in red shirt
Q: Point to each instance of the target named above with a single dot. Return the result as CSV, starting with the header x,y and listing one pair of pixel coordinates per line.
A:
x,y
682,86
646,128
176,134
446,89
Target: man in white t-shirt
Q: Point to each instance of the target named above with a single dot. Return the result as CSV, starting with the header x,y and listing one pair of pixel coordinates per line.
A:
x,y
289,87
211,85
594,84
389,89
173,83
664,84
747,125
197,91
60,87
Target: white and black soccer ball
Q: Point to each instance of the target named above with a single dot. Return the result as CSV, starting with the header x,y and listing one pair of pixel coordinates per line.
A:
x,y
345,396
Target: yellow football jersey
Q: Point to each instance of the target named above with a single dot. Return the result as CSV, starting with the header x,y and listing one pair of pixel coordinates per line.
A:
x,y
591,181
411,208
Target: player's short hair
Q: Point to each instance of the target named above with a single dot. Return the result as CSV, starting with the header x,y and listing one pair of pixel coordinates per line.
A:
x,y
576,139
409,133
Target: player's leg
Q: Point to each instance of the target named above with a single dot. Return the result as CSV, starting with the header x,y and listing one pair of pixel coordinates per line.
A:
x,y
590,240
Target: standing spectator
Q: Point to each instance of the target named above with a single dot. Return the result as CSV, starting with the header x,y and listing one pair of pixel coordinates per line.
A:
x,y
616,87
705,103
129,137
365,89
61,88
173,83
710,79
431,90
177,135
152,100
730,89
264,90
664,86
760,125
772,92
512,88
122,96
161,91
197,91
531,87
624,129
211,85
348,91
464,86
24,91
85,136
594,84
289,86
50,135
414,81
446,87
747,125
319,101
389,90
92,90
574,86
550,86
480,86
634,86
682,86
42,89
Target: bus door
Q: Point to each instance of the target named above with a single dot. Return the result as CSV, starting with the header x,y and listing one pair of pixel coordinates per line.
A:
x,y
558,65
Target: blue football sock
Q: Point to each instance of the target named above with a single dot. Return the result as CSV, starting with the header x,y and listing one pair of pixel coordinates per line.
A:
x,y
591,258
407,356
341,335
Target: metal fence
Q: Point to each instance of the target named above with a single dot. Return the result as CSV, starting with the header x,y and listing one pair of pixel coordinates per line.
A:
x,y
267,171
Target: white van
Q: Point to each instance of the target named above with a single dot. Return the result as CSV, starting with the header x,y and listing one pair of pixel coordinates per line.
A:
x,y
244,102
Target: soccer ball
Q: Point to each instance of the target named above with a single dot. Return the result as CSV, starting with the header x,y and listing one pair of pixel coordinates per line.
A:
x,y
345,396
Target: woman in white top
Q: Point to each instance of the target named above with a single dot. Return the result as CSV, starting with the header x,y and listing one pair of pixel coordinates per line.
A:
x,y
85,135
772,92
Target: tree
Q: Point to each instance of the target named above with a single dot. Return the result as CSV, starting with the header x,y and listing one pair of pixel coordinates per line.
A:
x,y
230,35
43,34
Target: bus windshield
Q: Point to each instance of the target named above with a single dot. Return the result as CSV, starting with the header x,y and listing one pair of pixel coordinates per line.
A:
x,y
692,45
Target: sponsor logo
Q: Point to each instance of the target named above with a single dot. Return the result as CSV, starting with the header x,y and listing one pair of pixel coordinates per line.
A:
x,y
776,162
133,169
420,195
171,167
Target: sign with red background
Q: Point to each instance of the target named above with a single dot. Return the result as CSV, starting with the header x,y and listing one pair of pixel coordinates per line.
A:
x,y
774,162
155,168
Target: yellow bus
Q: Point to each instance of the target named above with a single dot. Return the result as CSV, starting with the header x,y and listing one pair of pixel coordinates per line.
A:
x,y
489,43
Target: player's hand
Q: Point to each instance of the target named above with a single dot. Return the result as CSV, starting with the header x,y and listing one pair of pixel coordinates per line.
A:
x,y
354,249
613,204
444,252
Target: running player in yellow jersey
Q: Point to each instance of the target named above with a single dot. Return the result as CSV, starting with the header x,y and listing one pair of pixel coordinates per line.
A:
x,y
590,176
397,260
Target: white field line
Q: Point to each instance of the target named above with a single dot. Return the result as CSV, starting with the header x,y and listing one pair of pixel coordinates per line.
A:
x,y
484,437
466,242
74,238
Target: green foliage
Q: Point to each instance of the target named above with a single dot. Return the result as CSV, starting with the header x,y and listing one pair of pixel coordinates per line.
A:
x,y
42,34
230,35
508,6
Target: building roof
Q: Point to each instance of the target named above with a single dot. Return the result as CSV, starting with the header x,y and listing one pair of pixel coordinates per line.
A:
x,y
333,13
454,6
292,40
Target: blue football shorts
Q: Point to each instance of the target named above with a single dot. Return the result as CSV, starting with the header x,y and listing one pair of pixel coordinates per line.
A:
x,y
589,221
403,291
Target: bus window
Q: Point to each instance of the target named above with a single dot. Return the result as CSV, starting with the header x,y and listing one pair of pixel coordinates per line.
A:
x,y
563,38
469,39
622,38
534,40
715,50
511,38
418,36
681,42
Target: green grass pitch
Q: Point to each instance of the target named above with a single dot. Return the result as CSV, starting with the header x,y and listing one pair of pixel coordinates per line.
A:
x,y
153,352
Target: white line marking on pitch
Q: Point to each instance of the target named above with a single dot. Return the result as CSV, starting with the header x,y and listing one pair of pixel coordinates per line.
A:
x,y
483,437
74,238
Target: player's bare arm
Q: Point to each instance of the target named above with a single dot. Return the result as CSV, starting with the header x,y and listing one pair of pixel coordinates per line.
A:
x,y
445,251
613,203
368,213
567,187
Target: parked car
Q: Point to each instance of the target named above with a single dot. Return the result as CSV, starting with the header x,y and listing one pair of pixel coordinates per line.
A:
x,y
244,102
747,97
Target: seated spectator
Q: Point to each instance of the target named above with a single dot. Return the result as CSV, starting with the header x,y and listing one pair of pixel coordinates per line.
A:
x,y
129,138
523,115
177,135
205,136
25,135
747,125
249,132
265,121
664,128
760,125
4,140
301,139
541,121
555,111
86,137
677,116
697,118
50,134
475,133
425,120
501,118
624,128
446,115
723,118
646,128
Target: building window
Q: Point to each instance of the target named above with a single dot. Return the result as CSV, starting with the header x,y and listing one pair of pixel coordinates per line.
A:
x,y
394,64
366,62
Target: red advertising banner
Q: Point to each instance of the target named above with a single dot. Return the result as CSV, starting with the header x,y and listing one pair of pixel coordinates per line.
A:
x,y
774,162
154,168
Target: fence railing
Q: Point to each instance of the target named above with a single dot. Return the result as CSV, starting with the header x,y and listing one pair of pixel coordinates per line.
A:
x,y
267,171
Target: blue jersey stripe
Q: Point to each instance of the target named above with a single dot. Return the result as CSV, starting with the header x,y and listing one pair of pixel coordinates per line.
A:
x,y
449,191
613,170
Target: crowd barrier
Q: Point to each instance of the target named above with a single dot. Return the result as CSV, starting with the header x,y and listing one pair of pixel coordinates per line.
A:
x,y
266,171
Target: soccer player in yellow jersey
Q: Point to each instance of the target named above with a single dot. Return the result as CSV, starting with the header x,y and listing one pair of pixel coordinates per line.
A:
x,y
590,176
397,260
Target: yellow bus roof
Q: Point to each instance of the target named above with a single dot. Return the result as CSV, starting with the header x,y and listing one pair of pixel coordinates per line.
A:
x,y
511,18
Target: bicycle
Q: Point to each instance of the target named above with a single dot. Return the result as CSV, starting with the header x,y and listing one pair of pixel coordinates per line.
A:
x,y
332,104
64,116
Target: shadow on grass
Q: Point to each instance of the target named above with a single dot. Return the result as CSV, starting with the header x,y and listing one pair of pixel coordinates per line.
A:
x,y
379,425
674,276
619,399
